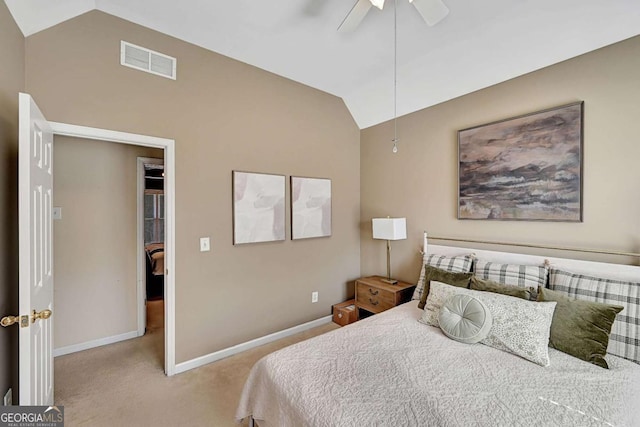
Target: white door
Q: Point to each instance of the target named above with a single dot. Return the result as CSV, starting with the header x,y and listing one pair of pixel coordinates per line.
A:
x,y
35,193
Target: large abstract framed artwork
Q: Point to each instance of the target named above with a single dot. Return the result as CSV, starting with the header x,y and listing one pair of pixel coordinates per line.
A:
x,y
527,168
258,207
310,207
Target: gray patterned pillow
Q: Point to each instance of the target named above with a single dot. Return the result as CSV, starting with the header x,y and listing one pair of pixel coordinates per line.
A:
x,y
524,276
623,340
520,327
456,264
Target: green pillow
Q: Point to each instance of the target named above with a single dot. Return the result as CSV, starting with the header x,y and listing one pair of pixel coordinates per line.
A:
x,y
580,328
460,280
486,285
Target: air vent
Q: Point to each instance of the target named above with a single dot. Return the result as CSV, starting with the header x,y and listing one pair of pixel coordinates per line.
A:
x,y
144,59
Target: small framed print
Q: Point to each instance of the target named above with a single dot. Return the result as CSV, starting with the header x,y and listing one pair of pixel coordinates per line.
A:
x,y
310,207
258,207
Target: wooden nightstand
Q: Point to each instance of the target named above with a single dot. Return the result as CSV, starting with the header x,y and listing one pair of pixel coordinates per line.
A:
x,y
375,296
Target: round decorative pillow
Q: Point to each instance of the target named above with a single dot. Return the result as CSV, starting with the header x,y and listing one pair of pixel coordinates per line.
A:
x,y
465,318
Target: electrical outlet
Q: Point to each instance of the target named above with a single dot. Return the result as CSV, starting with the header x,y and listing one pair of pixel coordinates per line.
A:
x,y
314,296
204,244
8,398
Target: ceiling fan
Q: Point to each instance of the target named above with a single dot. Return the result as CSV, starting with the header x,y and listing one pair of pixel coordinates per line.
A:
x,y
432,11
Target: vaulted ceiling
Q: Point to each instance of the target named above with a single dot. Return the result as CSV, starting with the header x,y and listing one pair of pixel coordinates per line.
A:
x,y
480,42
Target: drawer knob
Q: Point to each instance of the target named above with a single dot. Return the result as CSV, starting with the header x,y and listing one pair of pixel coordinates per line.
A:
x,y
373,293
373,302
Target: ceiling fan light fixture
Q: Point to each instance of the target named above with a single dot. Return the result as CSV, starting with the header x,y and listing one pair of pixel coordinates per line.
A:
x,y
377,3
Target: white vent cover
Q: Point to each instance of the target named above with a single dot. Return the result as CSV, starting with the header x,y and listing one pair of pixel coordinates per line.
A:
x,y
144,59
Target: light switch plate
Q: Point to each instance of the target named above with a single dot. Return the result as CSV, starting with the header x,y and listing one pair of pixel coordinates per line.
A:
x,y
314,296
57,213
204,244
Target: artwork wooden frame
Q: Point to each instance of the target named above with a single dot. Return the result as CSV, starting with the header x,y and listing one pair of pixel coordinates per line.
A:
x,y
310,207
526,168
258,207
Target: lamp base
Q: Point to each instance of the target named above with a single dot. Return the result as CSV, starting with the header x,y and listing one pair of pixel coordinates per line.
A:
x,y
390,281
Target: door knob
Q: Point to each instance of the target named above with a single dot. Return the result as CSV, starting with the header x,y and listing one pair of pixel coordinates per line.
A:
x,y
25,320
43,315
10,320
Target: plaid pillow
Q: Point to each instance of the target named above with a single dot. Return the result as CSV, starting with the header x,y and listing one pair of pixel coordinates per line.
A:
x,y
523,276
456,264
624,340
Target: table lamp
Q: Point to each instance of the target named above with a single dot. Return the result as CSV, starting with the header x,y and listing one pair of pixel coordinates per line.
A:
x,y
389,229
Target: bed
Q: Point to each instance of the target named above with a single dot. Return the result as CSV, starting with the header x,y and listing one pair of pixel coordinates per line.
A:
x,y
155,271
391,370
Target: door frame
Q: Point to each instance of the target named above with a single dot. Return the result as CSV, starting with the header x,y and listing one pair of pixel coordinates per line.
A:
x,y
142,262
168,145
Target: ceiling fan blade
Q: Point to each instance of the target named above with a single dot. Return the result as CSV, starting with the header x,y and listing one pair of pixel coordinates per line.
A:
x,y
432,11
355,16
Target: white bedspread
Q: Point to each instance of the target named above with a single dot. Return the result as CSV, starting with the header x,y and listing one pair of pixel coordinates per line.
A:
x,y
391,370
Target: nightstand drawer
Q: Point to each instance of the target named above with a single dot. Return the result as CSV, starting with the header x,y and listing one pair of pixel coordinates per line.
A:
x,y
374,294
374,299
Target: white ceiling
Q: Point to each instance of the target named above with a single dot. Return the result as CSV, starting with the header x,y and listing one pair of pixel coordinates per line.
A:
x,y
480,43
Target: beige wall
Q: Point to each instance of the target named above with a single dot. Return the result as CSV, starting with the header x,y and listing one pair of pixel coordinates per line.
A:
x,y
420,182
95,184
11,82
224,115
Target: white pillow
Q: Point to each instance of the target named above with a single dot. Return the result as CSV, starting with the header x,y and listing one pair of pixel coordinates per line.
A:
x,y
465,318
520,327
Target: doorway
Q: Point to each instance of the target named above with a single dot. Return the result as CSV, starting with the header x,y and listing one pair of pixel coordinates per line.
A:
x,y
167,145
150,248
35,216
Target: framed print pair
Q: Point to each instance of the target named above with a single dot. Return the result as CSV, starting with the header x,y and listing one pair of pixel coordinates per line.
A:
x,y
259,207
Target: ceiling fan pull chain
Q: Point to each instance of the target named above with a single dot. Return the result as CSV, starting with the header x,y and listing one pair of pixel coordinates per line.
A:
x,y
395,77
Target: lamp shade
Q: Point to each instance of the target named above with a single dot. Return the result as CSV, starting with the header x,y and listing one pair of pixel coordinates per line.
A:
x,y
389,228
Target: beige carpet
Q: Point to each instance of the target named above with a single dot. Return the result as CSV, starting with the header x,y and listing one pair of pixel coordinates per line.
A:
x,y
124,384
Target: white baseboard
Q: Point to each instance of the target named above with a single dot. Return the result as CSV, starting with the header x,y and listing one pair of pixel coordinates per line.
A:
x,y
230,351
95,343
